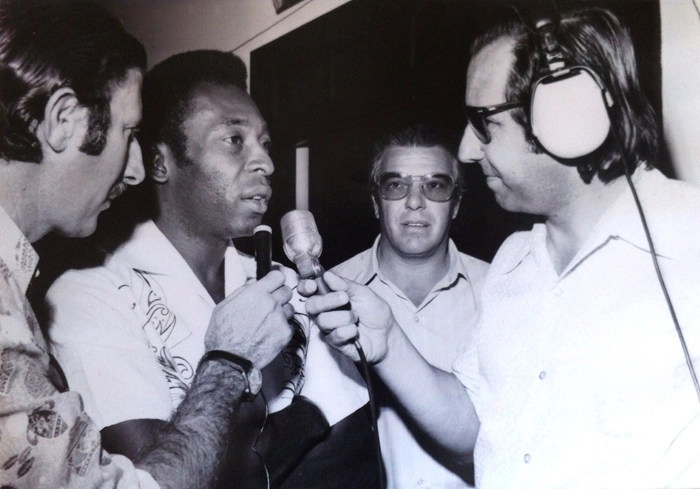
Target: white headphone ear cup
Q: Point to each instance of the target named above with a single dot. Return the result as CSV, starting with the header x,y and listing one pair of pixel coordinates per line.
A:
x,y
568,115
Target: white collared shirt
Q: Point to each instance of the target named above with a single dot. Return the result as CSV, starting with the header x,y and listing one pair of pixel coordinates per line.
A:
x,y
439,328
129,335
578,378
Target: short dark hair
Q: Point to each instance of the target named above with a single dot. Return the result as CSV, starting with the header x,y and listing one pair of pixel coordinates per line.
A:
x,y
167,93
46,45
414,136
595,38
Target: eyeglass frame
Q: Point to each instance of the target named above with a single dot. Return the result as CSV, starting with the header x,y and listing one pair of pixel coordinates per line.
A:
x,y
482,113
415,178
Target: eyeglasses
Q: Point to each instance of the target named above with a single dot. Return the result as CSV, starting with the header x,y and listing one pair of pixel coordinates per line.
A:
x,y
437,187
476,116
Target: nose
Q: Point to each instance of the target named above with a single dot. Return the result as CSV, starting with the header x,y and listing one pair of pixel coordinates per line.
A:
x,y
470,148
261,162
415,199
134,172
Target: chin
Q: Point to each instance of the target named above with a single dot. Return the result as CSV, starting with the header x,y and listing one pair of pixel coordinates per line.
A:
x,y
83,231
418,250
508,203
246,229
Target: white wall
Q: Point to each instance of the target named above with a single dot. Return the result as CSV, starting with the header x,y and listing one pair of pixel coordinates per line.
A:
x,y
170,26
166,27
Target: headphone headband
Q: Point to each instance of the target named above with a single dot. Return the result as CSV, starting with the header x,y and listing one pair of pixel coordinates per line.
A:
x,y
569,104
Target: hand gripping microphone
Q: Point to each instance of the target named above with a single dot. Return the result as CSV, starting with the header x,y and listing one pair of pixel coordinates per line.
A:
x,y
303,246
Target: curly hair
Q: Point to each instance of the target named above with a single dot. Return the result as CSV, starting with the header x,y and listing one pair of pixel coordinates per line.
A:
x,y
167,95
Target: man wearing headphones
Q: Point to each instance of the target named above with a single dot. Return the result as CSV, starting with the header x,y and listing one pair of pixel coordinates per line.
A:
x,y
576,375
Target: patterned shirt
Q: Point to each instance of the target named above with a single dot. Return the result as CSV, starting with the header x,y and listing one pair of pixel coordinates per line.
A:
x,y
129,335
46,439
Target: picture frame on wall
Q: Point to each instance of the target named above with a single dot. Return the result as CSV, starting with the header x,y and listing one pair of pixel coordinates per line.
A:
x,y
282,5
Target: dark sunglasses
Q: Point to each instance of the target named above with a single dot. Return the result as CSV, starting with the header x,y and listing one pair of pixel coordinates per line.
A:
x,y
476,116
437,187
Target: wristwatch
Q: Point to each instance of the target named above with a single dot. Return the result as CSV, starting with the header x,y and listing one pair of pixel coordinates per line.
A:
x,y
251,373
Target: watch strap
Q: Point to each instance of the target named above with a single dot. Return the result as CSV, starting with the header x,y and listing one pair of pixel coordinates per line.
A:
x,y
241,364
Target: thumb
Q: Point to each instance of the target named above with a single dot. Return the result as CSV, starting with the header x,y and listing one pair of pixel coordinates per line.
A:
x,y
336,283
271,282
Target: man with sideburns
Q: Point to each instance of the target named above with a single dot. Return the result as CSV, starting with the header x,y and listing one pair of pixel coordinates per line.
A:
x,y
131,332
70,91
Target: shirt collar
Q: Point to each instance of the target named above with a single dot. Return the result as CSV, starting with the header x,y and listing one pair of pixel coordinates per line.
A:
x,y
369,268
16,251
620,221
150,250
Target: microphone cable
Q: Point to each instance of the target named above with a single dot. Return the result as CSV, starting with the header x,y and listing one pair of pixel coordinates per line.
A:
x,y
657,268
262,240
373,411
257,438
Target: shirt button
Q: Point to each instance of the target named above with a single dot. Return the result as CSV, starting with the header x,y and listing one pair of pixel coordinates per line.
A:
x,y
558,292
526,458
415,319
543,374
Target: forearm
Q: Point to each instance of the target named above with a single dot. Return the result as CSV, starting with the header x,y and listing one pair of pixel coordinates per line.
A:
x,y
434,399
188,451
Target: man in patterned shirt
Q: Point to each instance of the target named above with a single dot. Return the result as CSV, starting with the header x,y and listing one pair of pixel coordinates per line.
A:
x,y
129,332
70,82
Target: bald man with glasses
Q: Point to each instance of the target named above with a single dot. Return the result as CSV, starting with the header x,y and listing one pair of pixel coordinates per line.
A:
x,y
432,288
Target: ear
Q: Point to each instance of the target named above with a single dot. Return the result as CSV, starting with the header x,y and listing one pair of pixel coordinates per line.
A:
x,y
376,206
64,119
455,206
159,169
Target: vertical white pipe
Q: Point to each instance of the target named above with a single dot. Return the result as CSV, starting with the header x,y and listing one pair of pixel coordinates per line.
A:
x,y
680,61
302,178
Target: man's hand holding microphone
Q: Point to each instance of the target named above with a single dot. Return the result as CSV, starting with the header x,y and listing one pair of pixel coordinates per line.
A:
x,y
368,318
253,322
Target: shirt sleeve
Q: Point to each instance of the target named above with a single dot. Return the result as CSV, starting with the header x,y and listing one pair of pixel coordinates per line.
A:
x,y
98,338
46,439
466,369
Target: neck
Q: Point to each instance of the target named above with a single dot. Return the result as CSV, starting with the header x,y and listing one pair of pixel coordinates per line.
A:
x,y
570,226
21,199
414,275
204,255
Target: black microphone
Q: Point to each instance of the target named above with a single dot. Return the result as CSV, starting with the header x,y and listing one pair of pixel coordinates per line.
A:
x,y
262,239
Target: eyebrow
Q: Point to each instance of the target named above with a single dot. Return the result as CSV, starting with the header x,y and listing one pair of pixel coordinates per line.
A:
x,y
236,122
241,122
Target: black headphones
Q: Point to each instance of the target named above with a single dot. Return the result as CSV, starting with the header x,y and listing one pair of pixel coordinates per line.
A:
x,y
569,104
